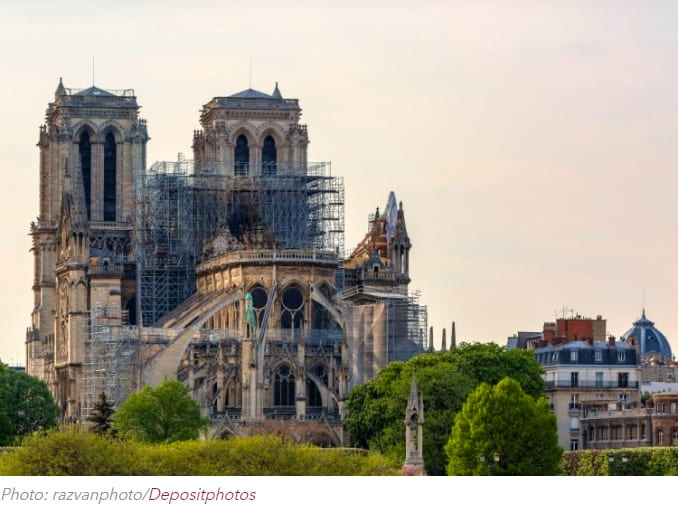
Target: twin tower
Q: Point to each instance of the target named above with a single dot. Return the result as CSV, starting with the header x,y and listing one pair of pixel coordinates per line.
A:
x,y
227,272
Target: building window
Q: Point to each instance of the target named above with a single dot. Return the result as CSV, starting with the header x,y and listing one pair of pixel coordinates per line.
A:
x,y
621,357
573,356
86,168
292,315
674,436
269,157
598,356
284,387
242,155
599,379
110,162
660,437
623,379
643,434
574,444
574,379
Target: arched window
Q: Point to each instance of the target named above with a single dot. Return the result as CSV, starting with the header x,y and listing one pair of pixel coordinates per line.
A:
x,y
110,162
269,157
259,300
86,168
292,314
242,155
284,387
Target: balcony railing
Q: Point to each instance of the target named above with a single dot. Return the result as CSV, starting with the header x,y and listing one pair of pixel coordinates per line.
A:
x,y
591,384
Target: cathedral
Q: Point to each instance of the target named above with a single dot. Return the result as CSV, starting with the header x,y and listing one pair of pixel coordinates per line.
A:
x,y
226,271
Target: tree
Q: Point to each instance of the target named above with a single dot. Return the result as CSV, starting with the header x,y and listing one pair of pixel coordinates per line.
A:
x,y
377,408
26,405
166,413
101,416
505,422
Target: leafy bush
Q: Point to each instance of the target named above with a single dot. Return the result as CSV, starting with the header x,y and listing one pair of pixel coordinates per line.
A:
x,y
639,462
77,452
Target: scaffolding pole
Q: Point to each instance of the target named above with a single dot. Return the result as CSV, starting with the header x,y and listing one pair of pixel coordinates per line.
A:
x,y
111,362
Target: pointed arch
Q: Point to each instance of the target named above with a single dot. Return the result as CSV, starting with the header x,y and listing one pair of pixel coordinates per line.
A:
x,y
84,136
269,157
284,385
241,155
110,176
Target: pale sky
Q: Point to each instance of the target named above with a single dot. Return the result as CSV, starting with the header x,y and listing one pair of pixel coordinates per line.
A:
x,y
533,144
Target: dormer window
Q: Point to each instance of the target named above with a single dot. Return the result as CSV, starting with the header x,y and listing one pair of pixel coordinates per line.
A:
x,y
573,356
621,357
598,356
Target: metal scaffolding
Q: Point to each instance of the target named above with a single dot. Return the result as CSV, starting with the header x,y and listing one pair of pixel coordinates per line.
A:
x,y
111,362
180,213
380,328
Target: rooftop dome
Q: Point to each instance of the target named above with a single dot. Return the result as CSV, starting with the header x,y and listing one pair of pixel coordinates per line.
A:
x,y
649,338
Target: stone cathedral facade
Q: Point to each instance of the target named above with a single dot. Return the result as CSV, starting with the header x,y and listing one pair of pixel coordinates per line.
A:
x,y
226,271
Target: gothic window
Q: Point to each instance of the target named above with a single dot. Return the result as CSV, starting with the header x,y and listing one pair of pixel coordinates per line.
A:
x,y
110,162
284,387
86,168
269,157
292,308
660,436
242,155
259,300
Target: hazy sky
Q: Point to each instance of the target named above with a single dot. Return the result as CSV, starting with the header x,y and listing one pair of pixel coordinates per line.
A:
x,y
533,144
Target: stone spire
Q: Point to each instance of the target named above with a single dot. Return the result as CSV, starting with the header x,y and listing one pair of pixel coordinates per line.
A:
x,y
453,338
443,348
60,89
430,340
414,436
276,93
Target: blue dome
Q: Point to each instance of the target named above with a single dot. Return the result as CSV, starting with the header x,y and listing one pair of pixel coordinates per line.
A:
x,y
649,338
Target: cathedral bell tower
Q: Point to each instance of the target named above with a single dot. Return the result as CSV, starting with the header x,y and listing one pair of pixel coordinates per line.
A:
x,y
91,147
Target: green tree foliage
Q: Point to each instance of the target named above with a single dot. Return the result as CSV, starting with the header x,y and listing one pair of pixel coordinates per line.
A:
x,y
84,453
26,405
101,415
166,413
504,419
377,408
643,461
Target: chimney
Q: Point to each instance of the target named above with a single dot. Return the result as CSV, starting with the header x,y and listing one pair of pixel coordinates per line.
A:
x,y
611,341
